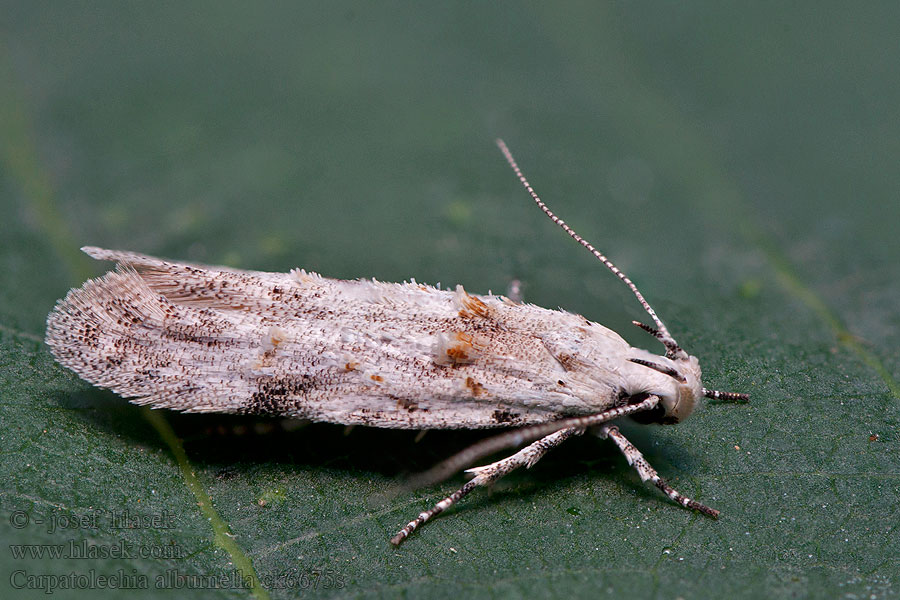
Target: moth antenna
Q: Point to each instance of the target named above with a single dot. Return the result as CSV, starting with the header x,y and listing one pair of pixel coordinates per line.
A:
x,y
662,369
731,396
671,352
663,334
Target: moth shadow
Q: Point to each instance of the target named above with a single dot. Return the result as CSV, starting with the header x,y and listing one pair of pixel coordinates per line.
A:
x,y
104,412
231,442
234,442
229,445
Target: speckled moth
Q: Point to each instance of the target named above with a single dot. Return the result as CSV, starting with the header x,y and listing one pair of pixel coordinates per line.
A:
x,y
211,339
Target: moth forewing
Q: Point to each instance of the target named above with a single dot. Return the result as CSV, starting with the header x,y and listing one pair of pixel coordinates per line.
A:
x,y
197,338
206,339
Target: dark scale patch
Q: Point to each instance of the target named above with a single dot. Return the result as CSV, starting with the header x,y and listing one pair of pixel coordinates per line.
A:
x,y
567,361
148,373
210,321
502,415
367,416
488,327
156,362
193,334
90,336
275,395
406,404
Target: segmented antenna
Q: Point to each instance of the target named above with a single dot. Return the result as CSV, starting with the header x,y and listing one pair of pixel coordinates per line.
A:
x,y
730,396
673,350
661,368
670,352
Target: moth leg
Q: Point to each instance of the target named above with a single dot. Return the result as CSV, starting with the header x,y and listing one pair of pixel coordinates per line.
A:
x,y
517,437
648,473
488,474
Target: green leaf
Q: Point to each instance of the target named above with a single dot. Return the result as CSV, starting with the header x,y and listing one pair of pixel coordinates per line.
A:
x,y
740,166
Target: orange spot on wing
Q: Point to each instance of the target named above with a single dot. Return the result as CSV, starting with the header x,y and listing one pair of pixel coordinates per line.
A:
x,y
472,307
462,351
457,354
459,348
476,388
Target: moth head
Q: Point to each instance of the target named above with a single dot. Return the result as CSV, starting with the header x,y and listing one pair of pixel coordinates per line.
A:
x,y
675,382
687,393
679,391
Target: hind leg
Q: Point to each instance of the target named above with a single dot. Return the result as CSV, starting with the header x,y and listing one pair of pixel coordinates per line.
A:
x,y
488,474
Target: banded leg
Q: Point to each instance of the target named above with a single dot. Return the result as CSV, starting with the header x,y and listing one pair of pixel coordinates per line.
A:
x,y
648,473
517,437
488,474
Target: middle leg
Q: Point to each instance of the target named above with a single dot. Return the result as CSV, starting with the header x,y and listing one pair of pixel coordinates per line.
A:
x,y
488,474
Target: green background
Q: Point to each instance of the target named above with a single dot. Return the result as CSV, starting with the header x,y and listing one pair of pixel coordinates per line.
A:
x,y
739,162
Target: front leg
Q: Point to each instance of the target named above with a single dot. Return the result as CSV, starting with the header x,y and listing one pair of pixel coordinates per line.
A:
x,y
640,464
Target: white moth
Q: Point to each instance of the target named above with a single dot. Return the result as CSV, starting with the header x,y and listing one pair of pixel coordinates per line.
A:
x,y
211,339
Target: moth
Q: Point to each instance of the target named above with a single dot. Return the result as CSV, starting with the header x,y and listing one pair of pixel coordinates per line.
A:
x,y
201,339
